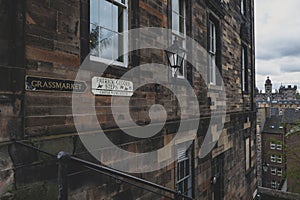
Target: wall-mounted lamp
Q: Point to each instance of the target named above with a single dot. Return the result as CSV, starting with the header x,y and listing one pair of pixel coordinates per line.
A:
x,y
175,56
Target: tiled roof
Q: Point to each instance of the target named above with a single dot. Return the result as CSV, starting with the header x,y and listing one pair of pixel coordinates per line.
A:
x,y
291,115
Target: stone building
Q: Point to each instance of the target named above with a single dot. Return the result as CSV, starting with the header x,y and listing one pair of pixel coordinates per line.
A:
x,y
273,164
284,97
280,139
45,42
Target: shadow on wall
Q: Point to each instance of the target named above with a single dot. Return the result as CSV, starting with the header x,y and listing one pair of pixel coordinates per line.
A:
x,y
6,172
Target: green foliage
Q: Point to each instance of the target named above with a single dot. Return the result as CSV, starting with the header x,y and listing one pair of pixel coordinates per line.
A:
x,y
94,37
292,151
95,41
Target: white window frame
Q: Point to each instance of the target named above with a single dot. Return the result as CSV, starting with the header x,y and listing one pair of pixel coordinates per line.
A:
x,y
125,42
272,145
184,158
273,170
212,51
181,36
279,159
273,184
244,68
279,171
243,7
279,147
273,158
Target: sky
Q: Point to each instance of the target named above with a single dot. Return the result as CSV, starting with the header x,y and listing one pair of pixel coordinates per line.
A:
x,y
277,32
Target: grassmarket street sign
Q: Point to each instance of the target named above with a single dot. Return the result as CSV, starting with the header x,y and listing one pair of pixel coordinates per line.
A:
x,y
54,85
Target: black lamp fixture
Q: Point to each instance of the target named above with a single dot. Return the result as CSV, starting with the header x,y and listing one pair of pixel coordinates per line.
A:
x,y
175,55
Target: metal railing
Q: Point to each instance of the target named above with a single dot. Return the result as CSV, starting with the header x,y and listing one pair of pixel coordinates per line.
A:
x,y
64,159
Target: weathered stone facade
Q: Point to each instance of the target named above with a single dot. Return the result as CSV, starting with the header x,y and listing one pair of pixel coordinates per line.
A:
x,y
50,38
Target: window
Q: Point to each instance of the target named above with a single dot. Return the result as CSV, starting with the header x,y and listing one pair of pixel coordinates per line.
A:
x,y
279,172
248,162
273,184
272,145
184,172
243,7
108,21
273,158
214,49
279,159
179,29
273,170
212,52
279,147
244,71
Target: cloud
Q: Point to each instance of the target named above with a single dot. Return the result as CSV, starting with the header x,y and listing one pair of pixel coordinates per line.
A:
x,y
287,48
290,68
268,67
277,26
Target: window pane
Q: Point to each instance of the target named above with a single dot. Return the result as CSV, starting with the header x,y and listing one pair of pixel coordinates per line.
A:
x,y
94,6
115,18
175,6
212,68
175,22
94,40
106,14
212,37
187,168
118,47
181,25
107,20
182,170
121,48
180,187
106,43
181,7
120,20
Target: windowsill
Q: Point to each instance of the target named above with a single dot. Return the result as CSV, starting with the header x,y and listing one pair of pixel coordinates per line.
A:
x,y
178,77
214,86
108,62
245,93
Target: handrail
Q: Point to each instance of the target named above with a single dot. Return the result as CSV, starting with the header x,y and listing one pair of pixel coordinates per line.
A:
x,y
64,157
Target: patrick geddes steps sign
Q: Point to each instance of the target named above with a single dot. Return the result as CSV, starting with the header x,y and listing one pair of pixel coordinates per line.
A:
x,y
113,87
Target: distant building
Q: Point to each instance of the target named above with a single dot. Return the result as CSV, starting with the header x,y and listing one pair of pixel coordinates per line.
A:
x,y
280,140
282,98
273,166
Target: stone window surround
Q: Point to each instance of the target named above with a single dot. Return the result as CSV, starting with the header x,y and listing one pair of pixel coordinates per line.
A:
x,y
273,158
279,171
273,170
213,18
272,145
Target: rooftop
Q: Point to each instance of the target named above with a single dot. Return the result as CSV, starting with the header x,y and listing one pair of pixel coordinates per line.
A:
x,y
273,125
291,115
